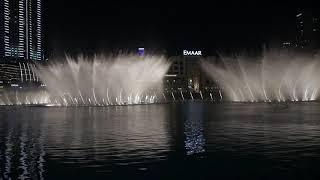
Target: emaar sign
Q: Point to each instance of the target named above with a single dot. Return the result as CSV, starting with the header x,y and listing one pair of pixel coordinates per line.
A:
x,y
192,53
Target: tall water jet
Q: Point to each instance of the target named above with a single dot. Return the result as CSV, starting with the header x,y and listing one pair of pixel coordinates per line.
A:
x,y
191,96
164,97
97,81
182,95
201,95
273,76
174,99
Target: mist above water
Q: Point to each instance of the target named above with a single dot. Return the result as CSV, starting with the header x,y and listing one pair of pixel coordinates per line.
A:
x,y
274,76
101,80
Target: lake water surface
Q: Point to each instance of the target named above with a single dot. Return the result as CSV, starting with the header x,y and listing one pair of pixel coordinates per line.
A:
x,y
161,141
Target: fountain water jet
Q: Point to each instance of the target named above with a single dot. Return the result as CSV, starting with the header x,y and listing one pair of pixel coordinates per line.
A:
x,y
96,81
274,76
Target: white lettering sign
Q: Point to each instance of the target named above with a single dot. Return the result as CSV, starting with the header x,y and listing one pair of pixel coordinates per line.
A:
x,y
192,53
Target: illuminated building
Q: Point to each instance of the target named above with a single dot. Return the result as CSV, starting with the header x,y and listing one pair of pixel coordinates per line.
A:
x,y
21,42
307,29
185,73
16,74
141,51
175,78
21,32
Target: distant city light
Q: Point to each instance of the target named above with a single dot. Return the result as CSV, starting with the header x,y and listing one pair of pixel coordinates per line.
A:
x,y
141,51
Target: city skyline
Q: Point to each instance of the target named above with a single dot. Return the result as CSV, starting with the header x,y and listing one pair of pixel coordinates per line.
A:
x,y
100,90
95,27
80,28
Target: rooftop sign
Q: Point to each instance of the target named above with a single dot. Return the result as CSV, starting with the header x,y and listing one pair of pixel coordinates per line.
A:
x,y
192,53
141,51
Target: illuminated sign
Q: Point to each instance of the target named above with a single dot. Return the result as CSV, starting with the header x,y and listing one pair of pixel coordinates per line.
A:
x,y
141,51
192,53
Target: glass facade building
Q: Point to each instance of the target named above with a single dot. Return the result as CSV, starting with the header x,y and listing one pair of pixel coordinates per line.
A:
x,y
21,32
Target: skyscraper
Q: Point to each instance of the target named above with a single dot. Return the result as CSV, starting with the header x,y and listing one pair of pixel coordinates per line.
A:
x,y
21,33
21,42
308,29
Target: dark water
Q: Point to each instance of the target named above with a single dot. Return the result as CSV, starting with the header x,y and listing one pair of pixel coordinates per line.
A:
x,y
168,141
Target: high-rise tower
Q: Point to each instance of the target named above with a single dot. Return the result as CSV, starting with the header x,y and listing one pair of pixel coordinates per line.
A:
x,y
21,32
308,29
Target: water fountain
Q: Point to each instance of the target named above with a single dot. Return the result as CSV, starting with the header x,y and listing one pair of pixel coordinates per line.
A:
x,y
275,76
182,96
98,81
211,97
191,96
174,99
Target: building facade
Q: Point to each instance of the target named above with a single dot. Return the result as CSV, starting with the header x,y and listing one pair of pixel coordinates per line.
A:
x,y
21,29
21,43
307,29
18,74
175,78
186,74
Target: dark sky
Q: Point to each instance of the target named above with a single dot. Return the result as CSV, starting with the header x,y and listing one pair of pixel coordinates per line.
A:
x,y
91,26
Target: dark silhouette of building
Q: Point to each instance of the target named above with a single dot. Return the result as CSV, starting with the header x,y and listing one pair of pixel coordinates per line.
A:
x,y
186,74
307,29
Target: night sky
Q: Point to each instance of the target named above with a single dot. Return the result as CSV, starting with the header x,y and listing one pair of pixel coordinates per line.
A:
x,y
75,26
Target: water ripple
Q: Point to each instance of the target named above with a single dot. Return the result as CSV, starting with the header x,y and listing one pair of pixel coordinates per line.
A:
x,y
205,139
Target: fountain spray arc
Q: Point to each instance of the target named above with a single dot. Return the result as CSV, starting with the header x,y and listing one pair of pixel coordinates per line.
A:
x,y
97,81
274,76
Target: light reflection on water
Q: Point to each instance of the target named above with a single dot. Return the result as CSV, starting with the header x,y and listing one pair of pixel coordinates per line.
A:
x,y
193,130
116,135
22,150
166,141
